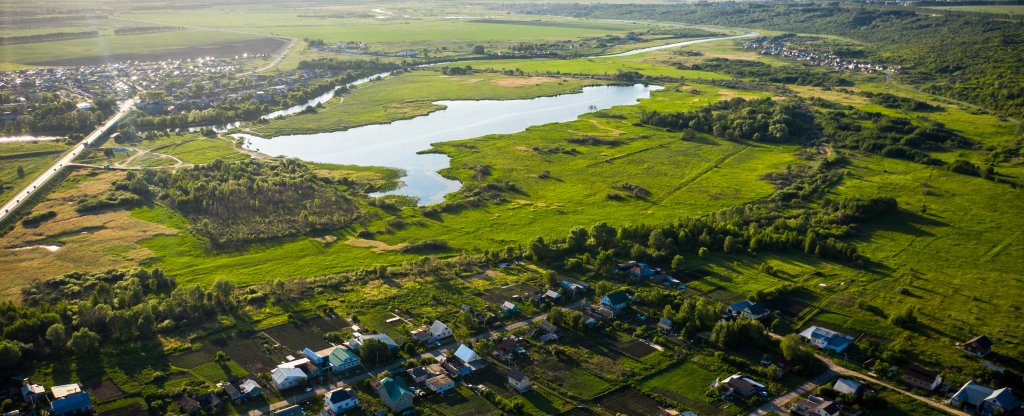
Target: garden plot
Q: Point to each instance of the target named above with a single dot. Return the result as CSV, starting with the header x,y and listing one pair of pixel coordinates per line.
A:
x,y
296,338
499,295
629,401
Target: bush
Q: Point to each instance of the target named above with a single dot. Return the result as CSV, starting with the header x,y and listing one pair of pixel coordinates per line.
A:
x,y
37,218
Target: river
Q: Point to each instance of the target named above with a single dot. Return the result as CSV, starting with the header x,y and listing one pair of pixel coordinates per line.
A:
x,y
397,144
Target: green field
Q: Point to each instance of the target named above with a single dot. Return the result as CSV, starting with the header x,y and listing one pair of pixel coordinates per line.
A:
x,y
413,94
1013,10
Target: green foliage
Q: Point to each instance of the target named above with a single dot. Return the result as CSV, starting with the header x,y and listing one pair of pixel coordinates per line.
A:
x,y
84,342
738,119
37,218
238,203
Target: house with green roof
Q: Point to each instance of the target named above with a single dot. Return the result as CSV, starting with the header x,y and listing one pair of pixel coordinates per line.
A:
x,y
343,359
616,301
393,392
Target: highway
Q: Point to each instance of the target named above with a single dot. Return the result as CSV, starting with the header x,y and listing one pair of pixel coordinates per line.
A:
x,y
11,206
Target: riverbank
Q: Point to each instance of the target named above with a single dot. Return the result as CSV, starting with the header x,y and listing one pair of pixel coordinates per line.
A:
x,y
411,95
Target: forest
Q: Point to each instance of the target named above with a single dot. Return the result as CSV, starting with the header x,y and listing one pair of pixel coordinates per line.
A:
x,y
979,60
50,114
234,204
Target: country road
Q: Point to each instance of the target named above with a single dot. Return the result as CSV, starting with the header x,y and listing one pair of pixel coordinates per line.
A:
x,y
834,368
64,160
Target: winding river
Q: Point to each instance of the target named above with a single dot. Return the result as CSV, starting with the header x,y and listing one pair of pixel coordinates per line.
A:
x,y
398,144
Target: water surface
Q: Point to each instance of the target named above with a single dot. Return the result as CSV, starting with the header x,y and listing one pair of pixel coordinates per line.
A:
x,y
396,144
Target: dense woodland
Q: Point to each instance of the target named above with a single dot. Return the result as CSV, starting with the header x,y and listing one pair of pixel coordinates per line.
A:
x,y
739,119
233,204
974,58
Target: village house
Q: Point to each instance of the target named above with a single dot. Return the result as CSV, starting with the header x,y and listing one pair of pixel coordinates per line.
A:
x,y
210,402
849,387
287,377
509,308
979,346
233,393
665,325
552,296
359,338
816,406
393,392
922,378
748,309
615,301
189,406
32,392
69,399
339,400
574,285
519,381
508,348
422,373
638,270
343,359
437,332
826,339
545,332
741,386
439,384
984,400
464,362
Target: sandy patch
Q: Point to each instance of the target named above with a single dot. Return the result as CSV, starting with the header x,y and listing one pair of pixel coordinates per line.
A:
x,y
377,246
88,243
522,82
522,149
728,95
608,131
327,239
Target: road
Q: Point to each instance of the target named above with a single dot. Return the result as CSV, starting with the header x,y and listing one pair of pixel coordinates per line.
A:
x,y
398,365
777,406
64,160
834,368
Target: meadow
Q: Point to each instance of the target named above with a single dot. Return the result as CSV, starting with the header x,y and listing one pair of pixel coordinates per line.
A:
x,y
413,94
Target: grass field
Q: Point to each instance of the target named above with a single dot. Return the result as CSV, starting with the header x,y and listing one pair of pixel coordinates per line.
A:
x,y
32,158
687,384
1010,9
413,94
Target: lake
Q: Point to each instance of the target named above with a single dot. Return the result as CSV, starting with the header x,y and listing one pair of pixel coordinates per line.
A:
x,y
397,144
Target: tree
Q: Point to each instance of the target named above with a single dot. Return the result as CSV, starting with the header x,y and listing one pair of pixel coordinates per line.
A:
x,y
603,235
374,351
678,262
56,335
478,50
10,352
21,172
222,291
577,241
793,348
603,288
551,278
84,341
702,252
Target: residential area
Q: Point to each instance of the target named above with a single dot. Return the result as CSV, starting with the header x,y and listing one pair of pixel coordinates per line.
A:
x,y
536,346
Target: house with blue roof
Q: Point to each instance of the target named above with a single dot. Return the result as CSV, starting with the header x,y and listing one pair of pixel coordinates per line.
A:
x,y
985,401
638,270
826,339
338,401
69,399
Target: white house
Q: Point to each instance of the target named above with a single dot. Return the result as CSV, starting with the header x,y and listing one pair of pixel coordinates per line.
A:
x,y
287,377
440,384
518,380
339,400
436,332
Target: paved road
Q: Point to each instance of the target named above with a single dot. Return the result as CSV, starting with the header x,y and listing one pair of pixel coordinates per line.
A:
x,y
396,366
64,160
